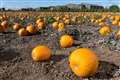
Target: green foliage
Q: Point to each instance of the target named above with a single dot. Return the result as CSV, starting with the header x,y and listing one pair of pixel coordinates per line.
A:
x,y
50,20
82,19
114,8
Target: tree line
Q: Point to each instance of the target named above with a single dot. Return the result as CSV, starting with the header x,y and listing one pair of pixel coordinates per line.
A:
x,y
112,8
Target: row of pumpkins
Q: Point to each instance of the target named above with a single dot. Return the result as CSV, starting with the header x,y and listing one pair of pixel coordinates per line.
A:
x,y
30,28
106,29
59,24
41,24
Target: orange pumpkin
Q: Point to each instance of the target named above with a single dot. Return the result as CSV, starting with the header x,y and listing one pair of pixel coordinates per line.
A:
x,y
67,16
1,29
57,18
66,41
83,62
41,25
67,21
117,18
118,34
22,32
112,17
105,30
4,24
39,20
101,23
119,23
61,26
100,20
114,22
16,26
55,25
41,53
31,29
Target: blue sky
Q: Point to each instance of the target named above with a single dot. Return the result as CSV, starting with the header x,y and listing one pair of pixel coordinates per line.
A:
x,y
15,4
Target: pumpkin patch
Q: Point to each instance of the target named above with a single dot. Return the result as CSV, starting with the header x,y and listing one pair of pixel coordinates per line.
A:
x,y
59,45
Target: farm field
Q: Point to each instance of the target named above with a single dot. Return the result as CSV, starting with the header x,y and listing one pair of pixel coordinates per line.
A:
x,y
20,32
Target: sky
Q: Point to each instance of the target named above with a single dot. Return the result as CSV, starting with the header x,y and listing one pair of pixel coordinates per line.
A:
x,y
17,4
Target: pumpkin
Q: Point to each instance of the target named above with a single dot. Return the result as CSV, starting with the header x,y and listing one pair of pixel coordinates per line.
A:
x,y
118,34
41,53
55,25
57,18
83,62
119,23
67,21
66,41
39,20
105,30
101,23
31,29
41,25
16,26
4,24
22,32
67,16
100,20
114,22
61,26
112,17
64,18
117,18
1,29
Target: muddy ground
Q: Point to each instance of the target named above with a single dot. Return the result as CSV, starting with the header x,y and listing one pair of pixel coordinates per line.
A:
x,y
16,62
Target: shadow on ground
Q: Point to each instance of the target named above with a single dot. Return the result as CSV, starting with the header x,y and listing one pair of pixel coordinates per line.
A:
x,y
106,70
8,54
58,58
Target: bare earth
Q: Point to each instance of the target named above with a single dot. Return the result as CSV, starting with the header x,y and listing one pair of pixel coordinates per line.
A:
x,y
16,62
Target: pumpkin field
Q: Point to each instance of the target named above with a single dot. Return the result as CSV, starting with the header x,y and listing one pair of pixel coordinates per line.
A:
x,y
59,46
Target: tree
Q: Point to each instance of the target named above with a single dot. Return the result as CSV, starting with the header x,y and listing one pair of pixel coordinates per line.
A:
x,y
2,9
114,8
83,8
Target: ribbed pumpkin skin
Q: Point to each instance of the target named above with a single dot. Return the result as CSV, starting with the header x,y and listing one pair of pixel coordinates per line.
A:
x,y
66,41
83,62
41,53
